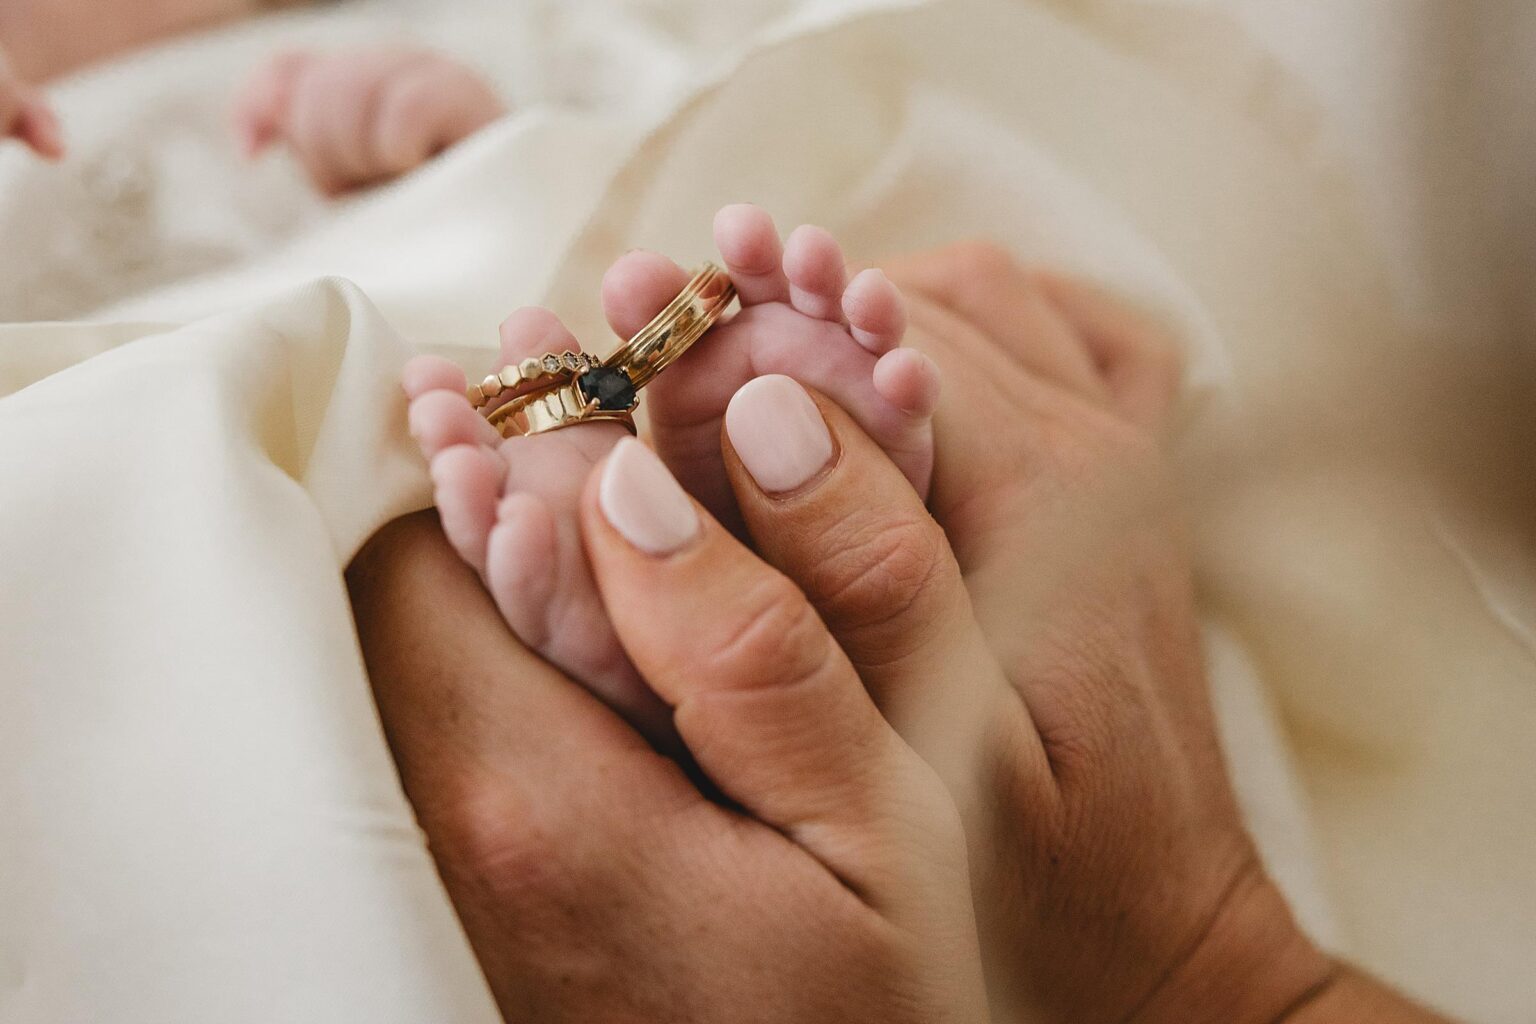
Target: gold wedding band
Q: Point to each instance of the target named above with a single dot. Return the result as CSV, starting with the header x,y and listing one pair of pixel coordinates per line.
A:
x,y
554,408
533,370
574,388
683,321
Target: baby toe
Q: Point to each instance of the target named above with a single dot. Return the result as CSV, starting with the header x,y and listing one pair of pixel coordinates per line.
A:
x,y
467,482
431,373
876,311
536,571
813,263
636,287
749,244
520,565
438,420
909,380
534,331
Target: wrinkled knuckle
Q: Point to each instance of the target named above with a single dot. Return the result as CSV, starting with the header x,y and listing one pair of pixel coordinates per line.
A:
x,y
777,638
483,839
878,573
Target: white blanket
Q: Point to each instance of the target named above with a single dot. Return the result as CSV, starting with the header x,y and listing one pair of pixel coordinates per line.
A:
x,y
201,819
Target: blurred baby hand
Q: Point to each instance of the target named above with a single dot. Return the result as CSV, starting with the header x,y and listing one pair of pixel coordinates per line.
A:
x,y
26,116
360,118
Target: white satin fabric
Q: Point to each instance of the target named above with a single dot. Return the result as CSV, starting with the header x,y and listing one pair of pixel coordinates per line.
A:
x,y
201,821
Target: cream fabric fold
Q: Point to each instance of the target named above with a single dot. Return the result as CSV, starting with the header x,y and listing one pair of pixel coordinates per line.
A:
x,y
207,825
202,821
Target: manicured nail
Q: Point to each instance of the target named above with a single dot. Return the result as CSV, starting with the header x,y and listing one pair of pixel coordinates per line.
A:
x,y
642,501
778,433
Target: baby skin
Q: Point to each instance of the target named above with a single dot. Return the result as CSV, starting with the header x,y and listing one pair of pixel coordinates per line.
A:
x,y
509,507
352,119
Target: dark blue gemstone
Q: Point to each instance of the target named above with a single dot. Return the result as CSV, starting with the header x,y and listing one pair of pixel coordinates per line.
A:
x,y
611,388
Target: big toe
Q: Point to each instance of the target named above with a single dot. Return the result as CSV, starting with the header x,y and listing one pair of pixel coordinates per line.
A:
x,y
536,570
637,287
685,404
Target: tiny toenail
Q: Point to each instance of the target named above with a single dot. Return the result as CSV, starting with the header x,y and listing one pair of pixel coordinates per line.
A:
x,y
778,434
642,501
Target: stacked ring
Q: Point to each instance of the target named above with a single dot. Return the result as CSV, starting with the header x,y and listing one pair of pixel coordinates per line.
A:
x,y
673,331
576,388
552,409
533,370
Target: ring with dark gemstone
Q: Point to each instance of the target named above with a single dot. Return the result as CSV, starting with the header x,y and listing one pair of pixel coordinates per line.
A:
x,y
561,390
609,387
535,370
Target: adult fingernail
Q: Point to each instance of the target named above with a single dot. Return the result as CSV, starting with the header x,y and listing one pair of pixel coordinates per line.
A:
x,y
778,433
642,501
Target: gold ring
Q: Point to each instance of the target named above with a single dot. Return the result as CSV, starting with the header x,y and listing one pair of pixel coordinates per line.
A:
x,y
683,321
578,389
554,408
534,370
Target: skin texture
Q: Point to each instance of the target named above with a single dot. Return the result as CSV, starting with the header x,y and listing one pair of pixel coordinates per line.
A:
x,y
1041,658
1062,699
595,879
352,119
1118,883
509,507
356,119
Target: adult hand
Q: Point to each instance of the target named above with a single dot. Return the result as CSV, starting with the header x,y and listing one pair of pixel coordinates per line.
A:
x,y
26,117
1043,657
1047,667
596,881
1060,689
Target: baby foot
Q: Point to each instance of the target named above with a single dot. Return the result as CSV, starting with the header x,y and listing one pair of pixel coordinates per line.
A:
x,y
509,508
800,317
